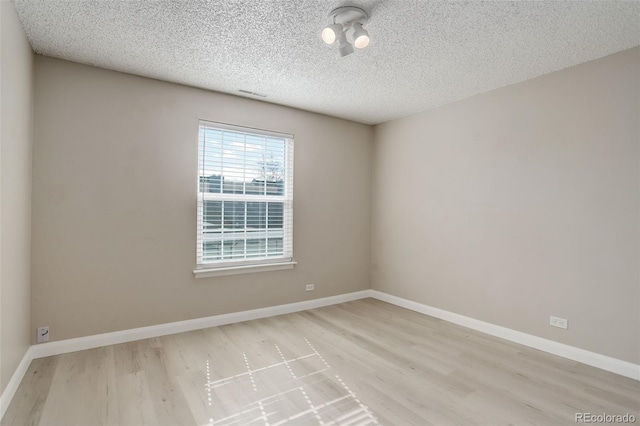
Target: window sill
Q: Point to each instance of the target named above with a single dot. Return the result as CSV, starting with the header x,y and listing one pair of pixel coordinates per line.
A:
x,y
244,269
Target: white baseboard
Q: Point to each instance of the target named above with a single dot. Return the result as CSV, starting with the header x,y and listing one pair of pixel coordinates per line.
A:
x,y
98,340
12,386
604,362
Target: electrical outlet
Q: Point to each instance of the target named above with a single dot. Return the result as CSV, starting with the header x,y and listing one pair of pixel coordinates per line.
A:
x,y
558,322
310,287
43,334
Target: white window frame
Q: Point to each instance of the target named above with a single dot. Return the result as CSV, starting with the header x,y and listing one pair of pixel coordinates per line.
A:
x,y
230,267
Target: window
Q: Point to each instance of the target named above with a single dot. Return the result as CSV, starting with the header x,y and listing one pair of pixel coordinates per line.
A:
x,y
245,198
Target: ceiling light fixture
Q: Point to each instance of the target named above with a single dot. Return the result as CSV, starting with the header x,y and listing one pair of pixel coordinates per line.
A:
x,y
342,20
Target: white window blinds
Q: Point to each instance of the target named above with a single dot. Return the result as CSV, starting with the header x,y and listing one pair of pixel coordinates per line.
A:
x,y
245,196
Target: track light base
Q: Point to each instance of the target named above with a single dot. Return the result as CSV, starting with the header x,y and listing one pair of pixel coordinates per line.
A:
x,y
348,15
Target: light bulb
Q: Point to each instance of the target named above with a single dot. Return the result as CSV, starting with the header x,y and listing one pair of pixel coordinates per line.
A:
x,y
330,33
360,36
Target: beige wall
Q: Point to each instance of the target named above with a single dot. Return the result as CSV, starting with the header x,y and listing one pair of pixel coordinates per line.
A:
x,y
518,204
114,203
16,91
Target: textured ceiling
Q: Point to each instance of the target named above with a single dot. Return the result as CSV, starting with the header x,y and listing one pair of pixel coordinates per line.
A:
x,y
422,53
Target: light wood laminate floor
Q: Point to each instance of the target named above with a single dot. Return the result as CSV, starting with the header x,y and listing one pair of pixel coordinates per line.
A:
x,y
362,362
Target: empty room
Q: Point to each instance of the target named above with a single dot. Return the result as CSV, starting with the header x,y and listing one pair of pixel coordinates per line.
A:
x,y
319,212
